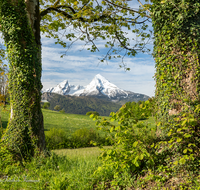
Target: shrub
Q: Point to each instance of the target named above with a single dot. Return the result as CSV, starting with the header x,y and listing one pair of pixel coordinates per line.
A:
x,y
83,137
46,105
92,112
62,111
133,140
57,108
56,139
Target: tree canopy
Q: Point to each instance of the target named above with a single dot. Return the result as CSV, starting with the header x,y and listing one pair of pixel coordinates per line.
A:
x,y
92,21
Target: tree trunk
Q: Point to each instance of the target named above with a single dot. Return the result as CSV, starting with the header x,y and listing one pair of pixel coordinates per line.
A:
x,y
176,52
20,23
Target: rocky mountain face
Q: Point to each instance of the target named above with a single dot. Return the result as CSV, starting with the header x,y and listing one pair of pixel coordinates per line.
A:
x,y
100,88
64,88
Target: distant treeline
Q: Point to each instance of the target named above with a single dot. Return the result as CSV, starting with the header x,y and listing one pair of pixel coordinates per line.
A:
x,y
81,104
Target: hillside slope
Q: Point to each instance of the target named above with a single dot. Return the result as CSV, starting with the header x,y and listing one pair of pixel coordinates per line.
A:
x,y
81,104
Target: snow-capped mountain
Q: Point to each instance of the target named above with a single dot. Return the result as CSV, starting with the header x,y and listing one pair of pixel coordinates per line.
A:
x,y
64,88
99,87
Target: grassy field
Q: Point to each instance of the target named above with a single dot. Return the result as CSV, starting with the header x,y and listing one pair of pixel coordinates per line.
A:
x,y
86,153
73,171
68,122
65,121
67,168
77,169
53,119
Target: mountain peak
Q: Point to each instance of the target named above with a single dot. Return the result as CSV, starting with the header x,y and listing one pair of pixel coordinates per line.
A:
x,y
63,84
99,76
64,88
99,87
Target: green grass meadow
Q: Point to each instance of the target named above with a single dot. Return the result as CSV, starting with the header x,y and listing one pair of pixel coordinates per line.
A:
x,y
65,121
53,119
71,169
81,168
67,169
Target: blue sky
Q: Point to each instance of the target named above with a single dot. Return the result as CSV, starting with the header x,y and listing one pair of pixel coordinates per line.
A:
x,y
80,67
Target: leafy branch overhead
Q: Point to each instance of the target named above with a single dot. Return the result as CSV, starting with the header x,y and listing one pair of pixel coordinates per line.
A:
x,y
92,20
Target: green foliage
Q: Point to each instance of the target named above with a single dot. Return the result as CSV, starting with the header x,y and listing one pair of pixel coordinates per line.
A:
x,y
53,172
1,131
96,21
46,105
92,112
21,136
62,111
133,140
59,139
176,52
83,137
56,139
82,104
57,108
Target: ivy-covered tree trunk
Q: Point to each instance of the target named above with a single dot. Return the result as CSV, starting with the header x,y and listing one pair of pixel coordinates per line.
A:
x,y
177,50
20,24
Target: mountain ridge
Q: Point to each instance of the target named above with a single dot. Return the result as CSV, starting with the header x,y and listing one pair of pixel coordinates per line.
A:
x,y
100,88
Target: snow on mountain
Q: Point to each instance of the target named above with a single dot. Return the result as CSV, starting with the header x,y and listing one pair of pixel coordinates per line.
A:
x,y
64,88
100,86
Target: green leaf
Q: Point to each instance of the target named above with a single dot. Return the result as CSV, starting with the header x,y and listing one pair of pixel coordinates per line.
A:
x,y
185,151
169,134
187,135
182,161
179,129
141,156
184,122
135,143
176,163
178,139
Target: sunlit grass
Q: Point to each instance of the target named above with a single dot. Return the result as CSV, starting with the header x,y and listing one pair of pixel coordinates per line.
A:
x,y
86,153
65,169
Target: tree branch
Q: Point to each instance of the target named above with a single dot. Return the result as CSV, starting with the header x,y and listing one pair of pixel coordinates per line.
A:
x,y
144,7
125,47
126,8
56,3
49,9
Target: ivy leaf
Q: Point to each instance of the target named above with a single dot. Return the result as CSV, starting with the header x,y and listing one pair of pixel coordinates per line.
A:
x,y
135,143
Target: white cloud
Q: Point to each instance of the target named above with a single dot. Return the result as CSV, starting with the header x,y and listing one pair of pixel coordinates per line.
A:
x,y
80,68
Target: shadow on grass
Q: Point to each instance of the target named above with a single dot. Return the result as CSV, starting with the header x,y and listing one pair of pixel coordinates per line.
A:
x,y
47,127
4,124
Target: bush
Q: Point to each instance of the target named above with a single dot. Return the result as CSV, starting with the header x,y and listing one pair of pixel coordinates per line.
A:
x,y
92,112
133,140
62,111
83,137
58,139
57,108
46,105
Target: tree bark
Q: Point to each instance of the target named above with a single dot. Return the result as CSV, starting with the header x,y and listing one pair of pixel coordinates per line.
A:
x,y
20,23
176,52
